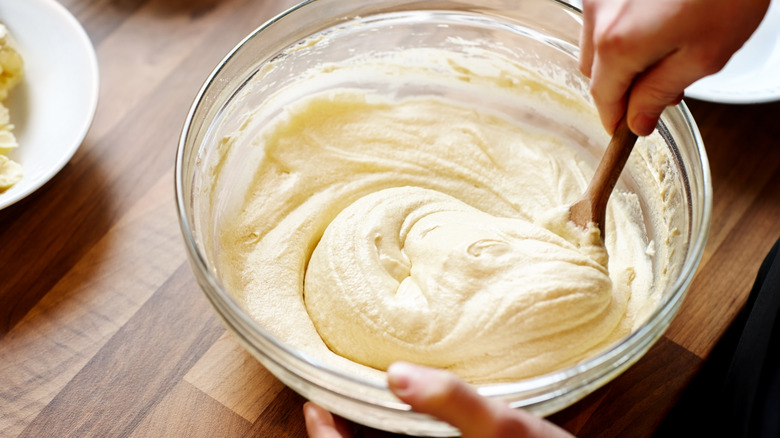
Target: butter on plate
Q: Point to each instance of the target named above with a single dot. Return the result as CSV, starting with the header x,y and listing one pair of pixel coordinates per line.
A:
x,y
11,73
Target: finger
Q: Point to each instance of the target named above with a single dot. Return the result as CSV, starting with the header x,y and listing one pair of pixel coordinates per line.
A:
x,y
609,88
624,47
586,39
439,393
322,424
660,86
610,74
443,395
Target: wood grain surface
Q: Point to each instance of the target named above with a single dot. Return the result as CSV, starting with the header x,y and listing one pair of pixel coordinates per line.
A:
x,y
104,332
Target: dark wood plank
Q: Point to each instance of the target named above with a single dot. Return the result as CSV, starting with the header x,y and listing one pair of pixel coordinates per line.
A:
x,y
87,307
653,385
283,418
101,17
722,285
188,412
137,368
741,144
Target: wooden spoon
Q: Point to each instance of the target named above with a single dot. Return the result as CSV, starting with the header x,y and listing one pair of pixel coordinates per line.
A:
x,y
592,206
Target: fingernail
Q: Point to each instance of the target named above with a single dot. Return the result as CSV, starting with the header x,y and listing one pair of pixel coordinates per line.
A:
x,y
643,124
400,376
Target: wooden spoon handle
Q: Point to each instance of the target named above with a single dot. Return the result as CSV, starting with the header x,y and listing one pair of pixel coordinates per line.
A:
x,y
611,166
593,205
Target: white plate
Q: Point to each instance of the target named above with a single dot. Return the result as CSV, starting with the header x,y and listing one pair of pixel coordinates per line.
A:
x,y
753,73
53,107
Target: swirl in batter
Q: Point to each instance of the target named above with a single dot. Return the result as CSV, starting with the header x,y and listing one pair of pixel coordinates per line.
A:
x,y
379,229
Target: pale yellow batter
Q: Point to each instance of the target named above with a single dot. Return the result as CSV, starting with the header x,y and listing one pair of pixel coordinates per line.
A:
x,y
379,228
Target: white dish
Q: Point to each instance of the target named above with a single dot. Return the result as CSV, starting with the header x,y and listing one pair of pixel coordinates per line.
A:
x,y
53,107
753,73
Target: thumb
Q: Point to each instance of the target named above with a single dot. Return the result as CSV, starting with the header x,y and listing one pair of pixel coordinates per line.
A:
x,y
440,394
443,395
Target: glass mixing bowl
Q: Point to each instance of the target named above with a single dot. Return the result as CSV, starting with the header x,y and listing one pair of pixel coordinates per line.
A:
x,y
541,35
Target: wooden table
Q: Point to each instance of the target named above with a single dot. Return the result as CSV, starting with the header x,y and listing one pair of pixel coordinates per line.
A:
x,y
104,332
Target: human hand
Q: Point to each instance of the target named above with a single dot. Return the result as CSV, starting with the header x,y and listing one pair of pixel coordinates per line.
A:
x,y
653,50
441,394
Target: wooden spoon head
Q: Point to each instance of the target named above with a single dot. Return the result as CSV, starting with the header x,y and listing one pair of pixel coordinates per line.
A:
x,y
583,213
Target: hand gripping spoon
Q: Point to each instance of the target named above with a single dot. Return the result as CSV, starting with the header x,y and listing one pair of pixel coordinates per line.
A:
x,y
592,206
